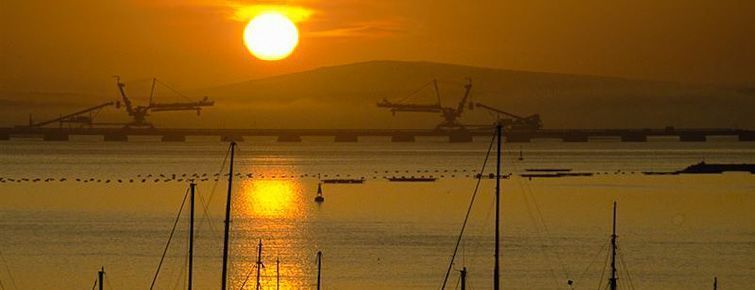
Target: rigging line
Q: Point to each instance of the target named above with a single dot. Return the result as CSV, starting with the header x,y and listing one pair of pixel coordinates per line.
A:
x,y
181,273
592,261
603,272
546,230
107,280
172,89
7,269
172,231
541,227
95,283
246,279
414,93
624,266
205,206
469,210
205,215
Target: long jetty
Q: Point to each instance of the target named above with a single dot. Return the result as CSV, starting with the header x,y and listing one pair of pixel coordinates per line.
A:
x,y
353,135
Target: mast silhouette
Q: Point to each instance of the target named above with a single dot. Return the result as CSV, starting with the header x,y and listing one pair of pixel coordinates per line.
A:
x,y
497,267
101,278
319,265
463,278
223,284
278,273
259,265
612,281
191,237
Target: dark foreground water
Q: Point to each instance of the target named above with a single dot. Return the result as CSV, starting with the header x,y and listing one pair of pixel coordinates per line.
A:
x,y
675,232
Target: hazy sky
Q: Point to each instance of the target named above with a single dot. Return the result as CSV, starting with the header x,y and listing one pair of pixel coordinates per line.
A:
x,y
75,44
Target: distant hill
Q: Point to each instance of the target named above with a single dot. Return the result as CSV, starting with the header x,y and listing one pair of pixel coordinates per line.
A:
x,y
345,96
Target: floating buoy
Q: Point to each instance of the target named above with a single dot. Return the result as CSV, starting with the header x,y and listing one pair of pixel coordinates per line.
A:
x,y
319,198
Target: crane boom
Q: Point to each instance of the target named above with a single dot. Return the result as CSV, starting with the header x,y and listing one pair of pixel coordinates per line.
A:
x,y
449,114
467,90
70,118
139,113
498,111
516,122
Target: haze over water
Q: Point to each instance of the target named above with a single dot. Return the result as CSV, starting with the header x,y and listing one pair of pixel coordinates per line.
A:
x,y
675,232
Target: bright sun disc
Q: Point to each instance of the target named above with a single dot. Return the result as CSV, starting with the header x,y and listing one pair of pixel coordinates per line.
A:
x,y
271,36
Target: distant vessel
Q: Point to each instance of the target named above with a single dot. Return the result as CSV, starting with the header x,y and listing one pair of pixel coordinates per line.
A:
x,y
521,154
344,181
548,170
412,179
708,168
703,168
319,198
556,174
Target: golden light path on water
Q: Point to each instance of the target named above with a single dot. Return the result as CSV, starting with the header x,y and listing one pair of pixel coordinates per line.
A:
x,y
272,198
270,211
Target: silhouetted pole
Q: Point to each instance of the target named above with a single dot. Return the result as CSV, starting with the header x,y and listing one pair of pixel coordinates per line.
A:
x,y
715,283
259,265
497,267
101,277
463,278
227,221
612,280
319,265
191,237
278,273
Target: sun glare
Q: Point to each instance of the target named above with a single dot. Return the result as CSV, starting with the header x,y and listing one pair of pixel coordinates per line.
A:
x,y
271,198
271,36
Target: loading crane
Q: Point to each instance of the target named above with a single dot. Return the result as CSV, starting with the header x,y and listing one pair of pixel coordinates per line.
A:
x,y
140,112
84,117
449,114
514,122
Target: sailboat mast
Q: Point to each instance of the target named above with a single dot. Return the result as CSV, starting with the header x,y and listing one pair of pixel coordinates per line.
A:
x,y
191,237
259,264
464,278
612,280
319,265
101,278
227,221
278,273
497,267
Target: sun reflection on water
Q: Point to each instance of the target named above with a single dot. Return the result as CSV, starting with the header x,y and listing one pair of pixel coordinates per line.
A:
x,y
273,210
271,198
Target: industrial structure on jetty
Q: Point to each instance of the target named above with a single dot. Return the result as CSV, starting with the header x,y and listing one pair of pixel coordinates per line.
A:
x,y
516,128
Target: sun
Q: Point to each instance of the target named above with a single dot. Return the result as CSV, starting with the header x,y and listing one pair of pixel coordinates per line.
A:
x,y
271,36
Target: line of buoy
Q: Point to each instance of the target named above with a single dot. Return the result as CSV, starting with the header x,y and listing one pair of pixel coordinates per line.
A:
x,y
205,177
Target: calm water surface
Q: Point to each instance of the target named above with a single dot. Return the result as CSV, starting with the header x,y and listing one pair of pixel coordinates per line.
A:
x,y
675,232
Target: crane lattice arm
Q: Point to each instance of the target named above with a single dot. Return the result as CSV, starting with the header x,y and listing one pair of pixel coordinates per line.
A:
x,y
139,113
75,117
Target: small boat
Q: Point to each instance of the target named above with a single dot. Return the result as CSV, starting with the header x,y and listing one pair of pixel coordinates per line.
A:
x,y
492,176
412,179
660,173
548,170
555,174
319,198
343,181
521,154
713,168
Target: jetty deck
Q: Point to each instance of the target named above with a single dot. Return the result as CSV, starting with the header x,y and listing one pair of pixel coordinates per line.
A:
x,y
353,135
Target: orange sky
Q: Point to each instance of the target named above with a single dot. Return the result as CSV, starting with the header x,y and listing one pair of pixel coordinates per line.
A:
x,y
73,45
